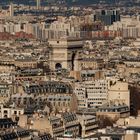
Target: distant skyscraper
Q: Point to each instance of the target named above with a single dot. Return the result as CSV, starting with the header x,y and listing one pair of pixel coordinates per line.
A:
x,y
11,9
107,16
74,0
51,1
38,4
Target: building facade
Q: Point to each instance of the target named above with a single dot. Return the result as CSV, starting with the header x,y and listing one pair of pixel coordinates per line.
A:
x,y
91,94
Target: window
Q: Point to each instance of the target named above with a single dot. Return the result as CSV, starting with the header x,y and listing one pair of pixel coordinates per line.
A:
x,y
5,111
24,102
5,116
58,103
15,112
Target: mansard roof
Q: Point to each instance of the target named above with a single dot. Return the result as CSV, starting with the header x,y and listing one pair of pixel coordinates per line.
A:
x,y
48,87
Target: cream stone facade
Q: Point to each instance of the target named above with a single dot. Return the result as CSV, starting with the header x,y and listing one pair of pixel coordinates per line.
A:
x,y
129,121
119,91
9,112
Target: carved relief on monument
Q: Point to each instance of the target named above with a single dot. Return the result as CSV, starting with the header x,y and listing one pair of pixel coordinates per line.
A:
x,y
59,55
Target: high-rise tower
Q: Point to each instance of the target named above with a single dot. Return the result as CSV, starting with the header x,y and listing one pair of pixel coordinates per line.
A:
x,y
11,9
38,4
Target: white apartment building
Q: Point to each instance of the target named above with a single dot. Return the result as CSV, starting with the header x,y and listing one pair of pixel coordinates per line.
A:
x,y
60,26
10,27
64,28
88,124
57,29
8,112
91,94
1,27
7,77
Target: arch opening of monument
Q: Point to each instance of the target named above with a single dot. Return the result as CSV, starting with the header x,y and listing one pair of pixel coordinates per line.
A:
x,y
73,61
58,66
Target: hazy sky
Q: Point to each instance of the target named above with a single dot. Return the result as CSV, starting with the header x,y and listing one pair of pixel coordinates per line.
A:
x,y
32,2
